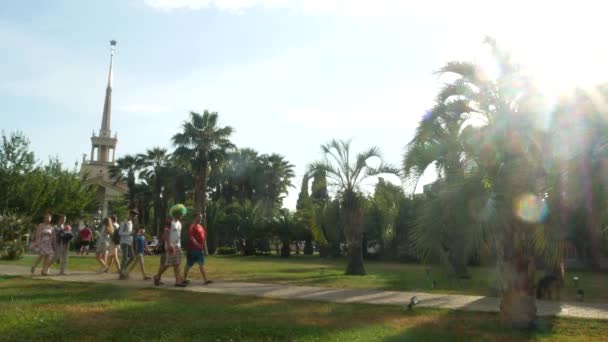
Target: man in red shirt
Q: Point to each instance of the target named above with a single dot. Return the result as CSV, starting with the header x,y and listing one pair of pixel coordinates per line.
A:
x,y
85,240
195,248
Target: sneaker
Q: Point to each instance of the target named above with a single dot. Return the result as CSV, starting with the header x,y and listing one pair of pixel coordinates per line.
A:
x,y
207,282
180,285
187,281
157,281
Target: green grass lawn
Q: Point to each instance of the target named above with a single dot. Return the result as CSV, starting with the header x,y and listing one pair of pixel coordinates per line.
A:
x,y
314,271
43,310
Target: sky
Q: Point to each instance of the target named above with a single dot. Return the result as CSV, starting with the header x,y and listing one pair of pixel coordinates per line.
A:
x,y
288,75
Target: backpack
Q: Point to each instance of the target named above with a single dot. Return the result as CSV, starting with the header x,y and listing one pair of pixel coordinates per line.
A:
x,y
116,237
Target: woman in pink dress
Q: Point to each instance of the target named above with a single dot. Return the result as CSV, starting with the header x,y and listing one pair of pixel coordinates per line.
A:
x,y
44,244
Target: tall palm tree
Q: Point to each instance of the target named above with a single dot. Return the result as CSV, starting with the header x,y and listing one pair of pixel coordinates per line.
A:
x,y
204,144
347,172
503,162
125,170
156,170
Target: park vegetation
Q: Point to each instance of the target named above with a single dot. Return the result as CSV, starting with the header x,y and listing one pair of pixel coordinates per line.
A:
x,y
512,189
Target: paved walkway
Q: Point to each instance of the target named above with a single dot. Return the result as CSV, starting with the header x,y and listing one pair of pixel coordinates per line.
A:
x,y
428,300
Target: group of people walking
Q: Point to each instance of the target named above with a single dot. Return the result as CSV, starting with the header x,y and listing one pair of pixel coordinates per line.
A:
x,y
52,244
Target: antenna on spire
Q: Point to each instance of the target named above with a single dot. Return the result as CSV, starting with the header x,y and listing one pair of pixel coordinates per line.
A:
x,y
113,45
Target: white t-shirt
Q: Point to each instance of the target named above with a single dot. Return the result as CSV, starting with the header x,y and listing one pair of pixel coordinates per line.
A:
x,y
175,234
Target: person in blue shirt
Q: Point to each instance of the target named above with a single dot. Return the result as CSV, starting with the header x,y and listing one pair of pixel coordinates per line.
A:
x,y
139,244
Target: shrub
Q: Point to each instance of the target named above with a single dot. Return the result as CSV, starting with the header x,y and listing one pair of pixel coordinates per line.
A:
x,y
11,250
12,230
225,250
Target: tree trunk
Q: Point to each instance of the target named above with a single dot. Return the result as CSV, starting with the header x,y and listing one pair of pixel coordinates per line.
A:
x,y
353,230
458,261
308,248
324,250
518,303
355,259
203,205
285,248
297,243
249,248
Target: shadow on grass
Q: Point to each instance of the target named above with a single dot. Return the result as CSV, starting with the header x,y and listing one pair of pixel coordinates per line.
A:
x,y
468,322
40,310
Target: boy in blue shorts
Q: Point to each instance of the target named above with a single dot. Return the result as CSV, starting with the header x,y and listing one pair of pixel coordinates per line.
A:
x,y
140,250
197,249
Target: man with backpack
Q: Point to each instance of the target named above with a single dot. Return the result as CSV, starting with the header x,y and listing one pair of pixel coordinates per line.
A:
x,y
126,244
63,236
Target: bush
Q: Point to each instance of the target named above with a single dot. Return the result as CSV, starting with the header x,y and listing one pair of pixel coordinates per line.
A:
x,y
11,250
12,229
226,250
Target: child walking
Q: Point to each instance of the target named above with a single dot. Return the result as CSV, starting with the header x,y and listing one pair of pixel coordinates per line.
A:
x,y
140,250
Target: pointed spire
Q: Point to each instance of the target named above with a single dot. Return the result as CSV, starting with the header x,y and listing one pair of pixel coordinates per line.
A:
x,y
107,105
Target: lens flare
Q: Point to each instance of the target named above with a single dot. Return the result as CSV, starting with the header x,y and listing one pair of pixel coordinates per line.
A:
x,y
531,208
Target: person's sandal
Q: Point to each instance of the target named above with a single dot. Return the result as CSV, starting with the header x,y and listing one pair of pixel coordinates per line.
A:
x,y
207,282
187,282
157,281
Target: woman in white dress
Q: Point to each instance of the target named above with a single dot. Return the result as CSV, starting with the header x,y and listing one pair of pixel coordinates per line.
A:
x,y
43,242
103,244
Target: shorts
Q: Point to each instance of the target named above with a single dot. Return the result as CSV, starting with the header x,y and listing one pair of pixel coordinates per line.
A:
x,y
195,257
173,259
84,244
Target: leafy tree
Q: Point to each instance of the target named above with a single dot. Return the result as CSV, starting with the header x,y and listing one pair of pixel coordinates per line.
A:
x,y
382,215
125,170
303,196
347,173
204,144
16,161
319,192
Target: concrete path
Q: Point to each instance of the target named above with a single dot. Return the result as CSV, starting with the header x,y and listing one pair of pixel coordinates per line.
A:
x,y
428,300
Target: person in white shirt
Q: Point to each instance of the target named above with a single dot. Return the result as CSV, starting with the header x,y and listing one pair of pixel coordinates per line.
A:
x,y
173,251
126,244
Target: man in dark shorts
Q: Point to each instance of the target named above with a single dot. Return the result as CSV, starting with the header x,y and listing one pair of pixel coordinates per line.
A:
x,y
85,239
196,249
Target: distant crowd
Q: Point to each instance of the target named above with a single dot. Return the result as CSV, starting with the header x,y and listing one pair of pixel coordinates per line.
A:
x,y
53,238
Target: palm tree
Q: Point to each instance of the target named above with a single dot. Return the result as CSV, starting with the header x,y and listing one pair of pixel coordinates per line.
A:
x,y
125,170
156,164
249,222
274,177
204,144
440,140
498,164
347,172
